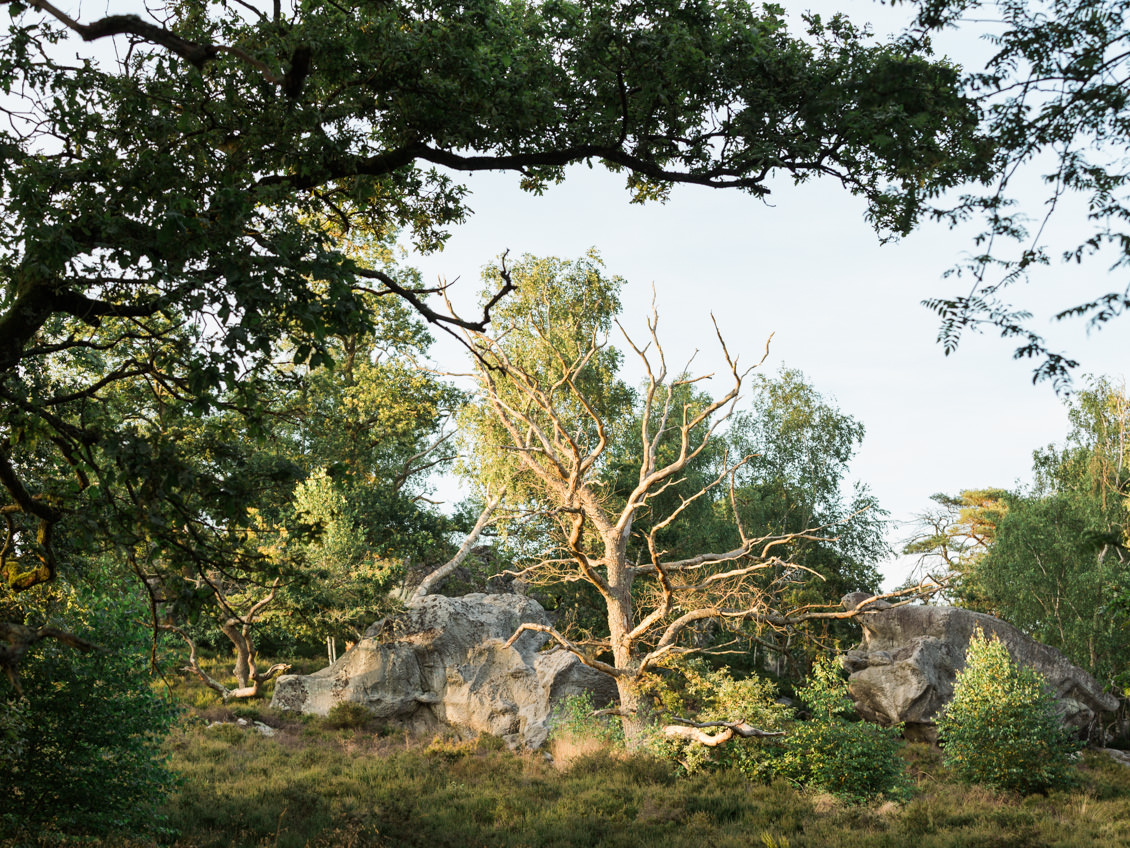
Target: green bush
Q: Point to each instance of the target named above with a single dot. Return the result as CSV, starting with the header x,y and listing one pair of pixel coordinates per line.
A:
x,y
349,715
82,749
692,689
853,760
573,718
1001,729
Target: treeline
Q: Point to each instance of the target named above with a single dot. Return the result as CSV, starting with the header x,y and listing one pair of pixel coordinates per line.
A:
x,y
1052,557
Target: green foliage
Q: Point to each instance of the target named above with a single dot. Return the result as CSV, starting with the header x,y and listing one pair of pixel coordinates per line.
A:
x,y
1001,729
174,210
954,537
573,719
694,690
1051,558
348,715
82,749
802,445
545,327
855,760
1054,102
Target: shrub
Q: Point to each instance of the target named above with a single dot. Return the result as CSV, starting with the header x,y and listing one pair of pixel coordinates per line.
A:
x,y
82,748
1002,729
693,688
853,760
574,732
349,715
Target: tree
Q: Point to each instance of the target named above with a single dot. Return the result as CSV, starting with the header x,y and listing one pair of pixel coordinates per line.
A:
x,y
166,212
955,537
322,554
1049,575
1053,94
547,395
1060,566
81,736
1052,558
1002,727
797,447
801,446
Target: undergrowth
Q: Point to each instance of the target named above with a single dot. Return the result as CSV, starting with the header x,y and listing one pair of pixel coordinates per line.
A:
x,y
312,784
349,780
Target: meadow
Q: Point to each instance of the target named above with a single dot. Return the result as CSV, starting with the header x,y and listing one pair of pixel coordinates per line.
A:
x,y
316,784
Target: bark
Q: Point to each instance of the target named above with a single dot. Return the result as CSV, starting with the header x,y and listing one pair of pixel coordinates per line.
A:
x,y
435,578
695,732
633,718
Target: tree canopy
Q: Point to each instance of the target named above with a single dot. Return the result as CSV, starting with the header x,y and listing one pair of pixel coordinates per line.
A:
x,y
1054,97
167,209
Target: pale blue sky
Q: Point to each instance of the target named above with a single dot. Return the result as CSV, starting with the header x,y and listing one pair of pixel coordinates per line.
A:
x,y
844,309
806,266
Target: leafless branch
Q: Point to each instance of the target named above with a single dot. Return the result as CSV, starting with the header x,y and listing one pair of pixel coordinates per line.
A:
x,y
429,583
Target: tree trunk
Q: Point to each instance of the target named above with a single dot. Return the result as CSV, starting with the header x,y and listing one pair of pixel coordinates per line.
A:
x,y
432,581
632,717
244,669
619,605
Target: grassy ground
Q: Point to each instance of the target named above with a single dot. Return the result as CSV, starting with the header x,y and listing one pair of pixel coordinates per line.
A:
x,y
355,783
314,785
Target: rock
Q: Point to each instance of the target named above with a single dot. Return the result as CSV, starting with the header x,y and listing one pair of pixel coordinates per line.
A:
x,y
1120,757
855,600
443,663
904,668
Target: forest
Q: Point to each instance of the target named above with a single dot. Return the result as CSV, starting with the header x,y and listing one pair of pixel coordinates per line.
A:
x,y
230,415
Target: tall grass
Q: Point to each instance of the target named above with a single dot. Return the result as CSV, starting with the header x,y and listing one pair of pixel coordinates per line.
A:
x,y
359,784
311,785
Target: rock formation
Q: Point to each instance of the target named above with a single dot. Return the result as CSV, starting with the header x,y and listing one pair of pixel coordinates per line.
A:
x,y
904,668
443,663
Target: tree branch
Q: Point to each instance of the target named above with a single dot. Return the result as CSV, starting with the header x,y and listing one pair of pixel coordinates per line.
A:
x,y
429,583
193,52
693,731
610,670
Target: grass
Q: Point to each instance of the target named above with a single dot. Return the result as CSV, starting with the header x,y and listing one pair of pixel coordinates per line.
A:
x,y
311,785
351,781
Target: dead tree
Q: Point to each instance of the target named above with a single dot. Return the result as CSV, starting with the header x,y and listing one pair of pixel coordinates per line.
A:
x,y
651,605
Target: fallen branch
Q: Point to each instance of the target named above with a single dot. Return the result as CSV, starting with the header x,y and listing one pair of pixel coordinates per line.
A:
x,y
694,731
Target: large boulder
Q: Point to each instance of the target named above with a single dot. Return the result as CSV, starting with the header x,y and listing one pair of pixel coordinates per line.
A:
x,y
903,670
444,663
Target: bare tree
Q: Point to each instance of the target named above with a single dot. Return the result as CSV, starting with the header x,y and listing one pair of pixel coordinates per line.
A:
x,y
654,603
238,626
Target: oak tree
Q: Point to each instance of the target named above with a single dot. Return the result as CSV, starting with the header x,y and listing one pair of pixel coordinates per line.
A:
x,y
183,183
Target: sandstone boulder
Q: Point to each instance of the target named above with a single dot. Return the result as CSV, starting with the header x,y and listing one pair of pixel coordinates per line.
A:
x,y
903,670
443,664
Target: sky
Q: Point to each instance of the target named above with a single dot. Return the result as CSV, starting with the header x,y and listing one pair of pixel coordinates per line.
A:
x,y
806,267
